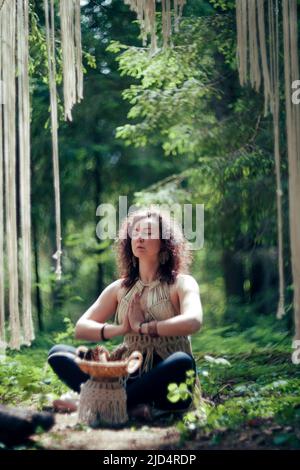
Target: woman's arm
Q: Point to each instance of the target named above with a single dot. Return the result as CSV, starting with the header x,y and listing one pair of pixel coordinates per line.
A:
x,y
191,315
89,325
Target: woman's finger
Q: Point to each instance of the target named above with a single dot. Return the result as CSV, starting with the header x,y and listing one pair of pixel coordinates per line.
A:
x,y
134,298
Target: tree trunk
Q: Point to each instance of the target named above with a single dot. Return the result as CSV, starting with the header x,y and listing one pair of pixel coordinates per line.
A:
x,y
263,278
234,275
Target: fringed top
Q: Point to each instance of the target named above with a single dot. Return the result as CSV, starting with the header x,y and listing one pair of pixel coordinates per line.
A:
x,y
157,305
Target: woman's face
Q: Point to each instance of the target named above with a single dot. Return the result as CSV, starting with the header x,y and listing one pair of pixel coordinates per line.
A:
x,y
145,241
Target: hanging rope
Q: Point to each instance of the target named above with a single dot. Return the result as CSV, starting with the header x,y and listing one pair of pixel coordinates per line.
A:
x,y
78,55
15,137
274,76
263,52
146,15
73,88
255,76
291,73
71,51
50,37
24,169
250,19
3,342
8,51
242,40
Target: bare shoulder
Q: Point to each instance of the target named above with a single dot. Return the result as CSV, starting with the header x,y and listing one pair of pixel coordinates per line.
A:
x,y
120,290
113,288
186,282
115,285
183,283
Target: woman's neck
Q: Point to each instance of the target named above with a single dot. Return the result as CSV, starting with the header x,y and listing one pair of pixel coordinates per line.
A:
x,y
148,273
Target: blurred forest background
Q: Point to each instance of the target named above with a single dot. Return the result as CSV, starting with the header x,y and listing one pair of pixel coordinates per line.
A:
x,y
176,127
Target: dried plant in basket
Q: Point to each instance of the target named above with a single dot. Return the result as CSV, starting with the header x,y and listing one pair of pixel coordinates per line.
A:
x,y
99,362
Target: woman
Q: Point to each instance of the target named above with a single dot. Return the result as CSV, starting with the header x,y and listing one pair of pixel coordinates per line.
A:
x,y
156,306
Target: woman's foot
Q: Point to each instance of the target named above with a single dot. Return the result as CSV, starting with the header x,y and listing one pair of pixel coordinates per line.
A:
x,y
67,403
141,411
64,406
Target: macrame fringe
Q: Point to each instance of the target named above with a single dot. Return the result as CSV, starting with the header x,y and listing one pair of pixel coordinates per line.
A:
x,y
71,51
78,52
164,346
274,74
146,15
242,39
103,402
255,76
50,38
8,62
291,73
72,87
15,108
3,343
251,33
24,170
264,58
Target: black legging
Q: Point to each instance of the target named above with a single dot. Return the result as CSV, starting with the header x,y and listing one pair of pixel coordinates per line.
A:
x,y
151,387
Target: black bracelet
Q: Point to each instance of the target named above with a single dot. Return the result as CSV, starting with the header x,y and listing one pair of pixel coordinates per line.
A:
x,y
102,333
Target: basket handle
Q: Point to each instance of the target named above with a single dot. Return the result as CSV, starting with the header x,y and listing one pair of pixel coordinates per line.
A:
x,y
134,361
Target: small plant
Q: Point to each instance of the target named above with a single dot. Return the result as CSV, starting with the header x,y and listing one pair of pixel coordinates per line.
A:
x,y
68,335
191,419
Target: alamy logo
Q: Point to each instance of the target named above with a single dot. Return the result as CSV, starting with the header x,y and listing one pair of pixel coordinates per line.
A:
x,y
190,218
296,94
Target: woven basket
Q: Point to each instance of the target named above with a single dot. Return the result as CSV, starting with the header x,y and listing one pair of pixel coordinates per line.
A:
x,y
99,370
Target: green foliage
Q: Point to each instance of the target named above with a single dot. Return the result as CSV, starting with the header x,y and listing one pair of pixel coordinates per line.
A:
x,y
27,379
181,391
66,336
174,86
259,387
223,4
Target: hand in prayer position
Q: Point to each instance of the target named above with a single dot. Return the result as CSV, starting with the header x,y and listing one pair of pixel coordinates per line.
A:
x,y
135,312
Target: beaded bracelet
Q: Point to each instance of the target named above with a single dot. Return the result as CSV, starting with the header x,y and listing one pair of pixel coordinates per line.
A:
x,y
140,327
152,329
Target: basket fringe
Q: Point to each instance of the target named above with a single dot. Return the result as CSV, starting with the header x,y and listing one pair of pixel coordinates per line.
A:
x,y
103,402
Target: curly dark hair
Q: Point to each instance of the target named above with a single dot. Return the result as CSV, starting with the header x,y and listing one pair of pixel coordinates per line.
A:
x,y
177,247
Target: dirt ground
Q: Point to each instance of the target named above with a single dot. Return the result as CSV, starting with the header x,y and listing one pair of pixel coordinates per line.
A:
x,y
161,435
67,434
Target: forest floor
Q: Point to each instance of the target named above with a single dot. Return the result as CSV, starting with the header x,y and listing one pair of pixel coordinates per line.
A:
x,y
249,382
67,434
